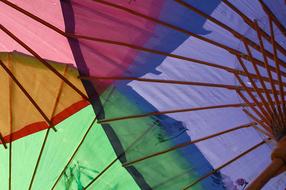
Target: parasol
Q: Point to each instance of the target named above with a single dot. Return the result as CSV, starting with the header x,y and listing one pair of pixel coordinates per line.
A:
x,y
165,94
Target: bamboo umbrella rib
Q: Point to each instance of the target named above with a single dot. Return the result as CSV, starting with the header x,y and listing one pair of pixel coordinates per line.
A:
x,y
224,26
273,17
276,62
170,111
250,23
215,85
225,164
48,130
109,120
226,86
74,153
182,145
59,92
10,167
255,87
10,66
11,75
273,88
38,160
76,36
3,141
233,71
44,62
267,128
253,108
101,173
169,180
267,134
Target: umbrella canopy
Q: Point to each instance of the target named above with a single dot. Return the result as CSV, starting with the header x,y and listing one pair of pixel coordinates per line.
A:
x,y
185,94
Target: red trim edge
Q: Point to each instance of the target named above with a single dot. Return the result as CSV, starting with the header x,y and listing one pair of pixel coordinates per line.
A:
x,y
39,126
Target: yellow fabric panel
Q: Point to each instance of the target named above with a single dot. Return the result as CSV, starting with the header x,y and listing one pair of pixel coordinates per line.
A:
x,y
42,85
4,103
67,94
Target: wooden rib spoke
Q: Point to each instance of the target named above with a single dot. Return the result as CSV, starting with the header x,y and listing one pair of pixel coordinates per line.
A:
x,y
261,123
225,164
243,73
38,160
233,71
229,87
109,120
276,64
3,141
182,145
10,67
171,111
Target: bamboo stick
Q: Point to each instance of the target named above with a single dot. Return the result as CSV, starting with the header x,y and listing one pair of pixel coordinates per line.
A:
x,y
225,164
178,146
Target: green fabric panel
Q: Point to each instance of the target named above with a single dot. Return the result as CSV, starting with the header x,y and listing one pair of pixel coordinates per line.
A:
x,y
113,179
60,146
4,162
161,171
24,157
94,154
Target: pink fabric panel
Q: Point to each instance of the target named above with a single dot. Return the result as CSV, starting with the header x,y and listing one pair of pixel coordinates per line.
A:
x,y
41,39
106,22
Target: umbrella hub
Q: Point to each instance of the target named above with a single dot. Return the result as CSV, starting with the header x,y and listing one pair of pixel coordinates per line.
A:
x,y
278,125
277,166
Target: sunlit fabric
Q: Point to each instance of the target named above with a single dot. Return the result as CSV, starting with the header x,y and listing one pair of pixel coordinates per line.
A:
x,y
172,88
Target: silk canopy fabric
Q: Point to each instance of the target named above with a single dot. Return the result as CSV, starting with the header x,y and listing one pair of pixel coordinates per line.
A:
x,y
138,61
